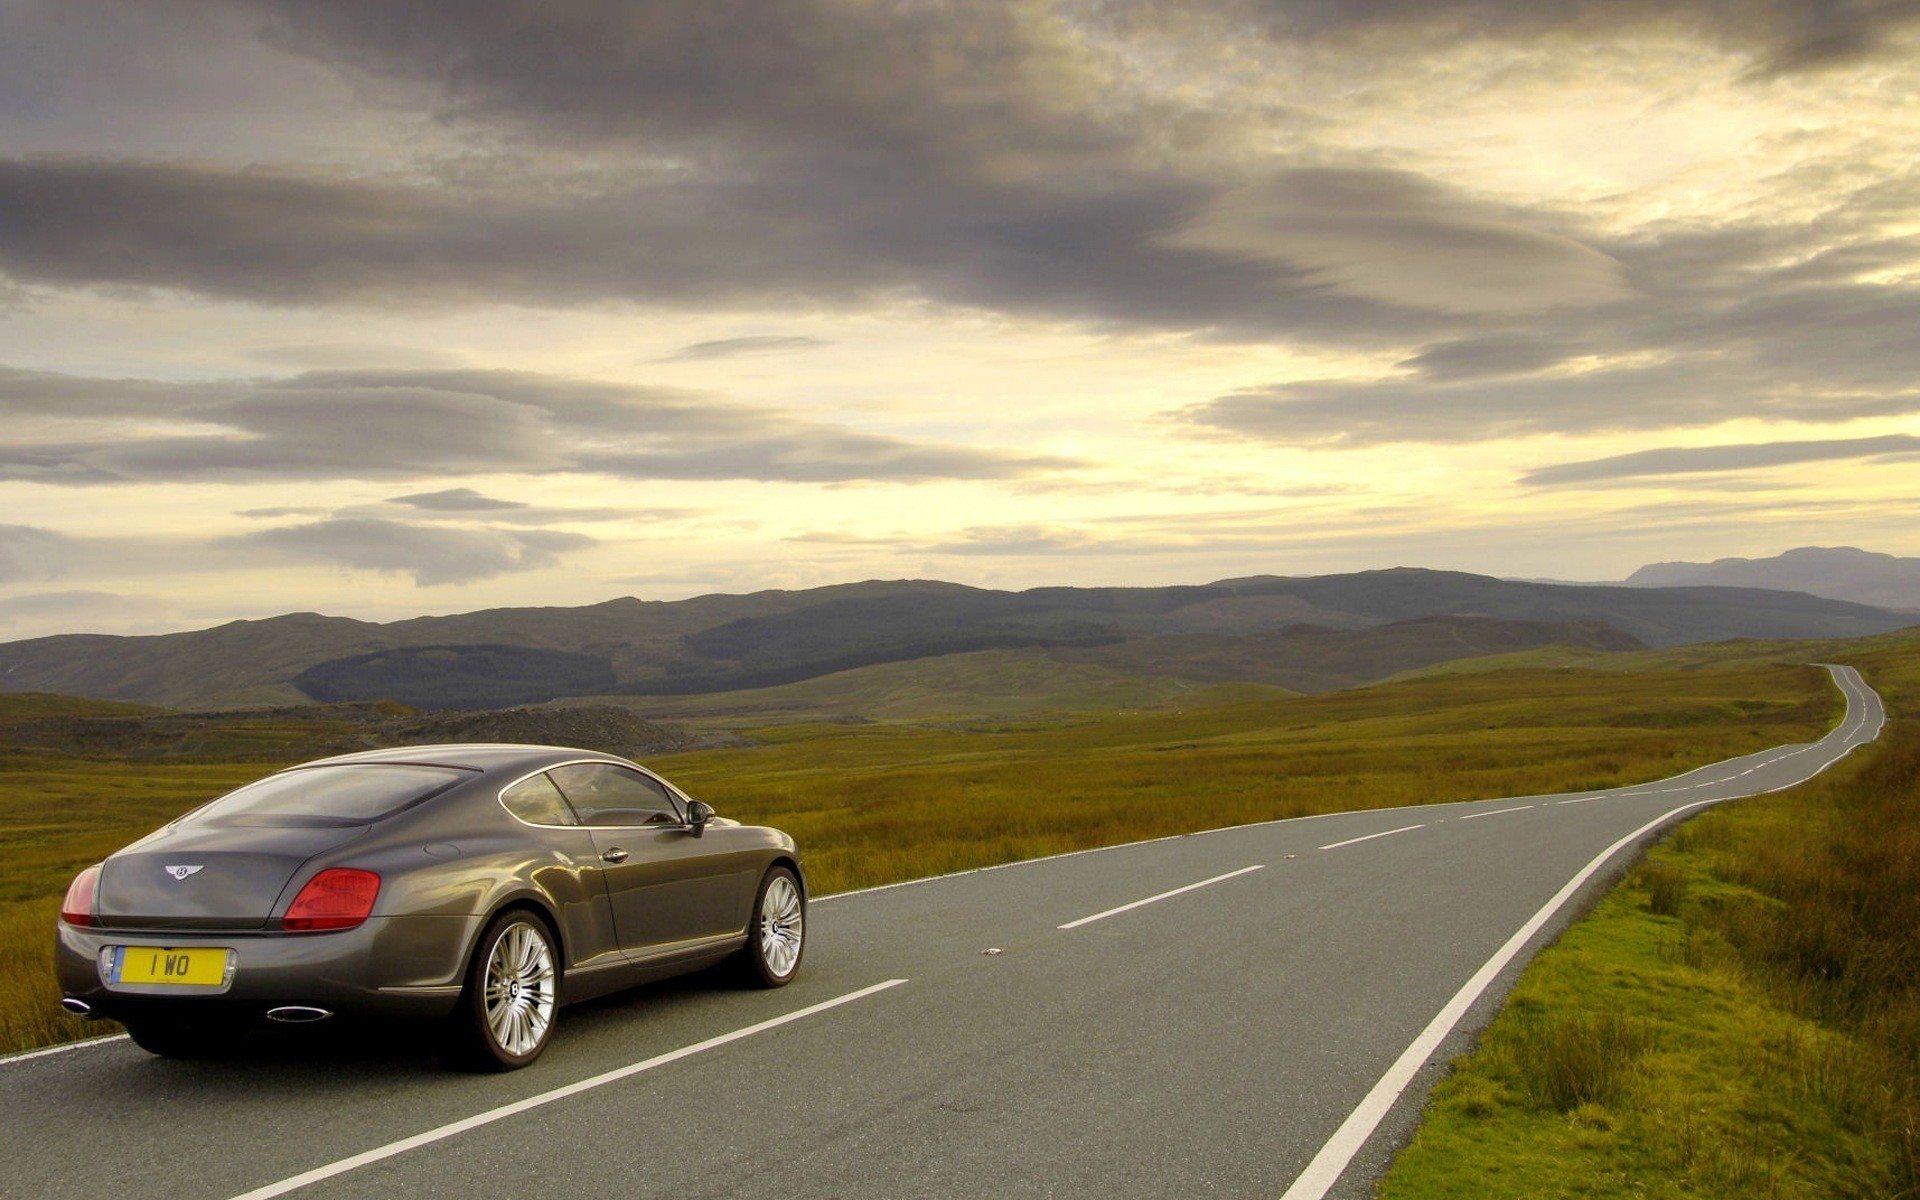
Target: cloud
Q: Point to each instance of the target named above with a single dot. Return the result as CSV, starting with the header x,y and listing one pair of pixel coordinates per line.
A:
x,y
1400,239
414,424
1022,541
1020,157
30,553
740,347
457,500
351,355
1693,392
1689,460
465,504
1786,36
62,612
1730,334
431,555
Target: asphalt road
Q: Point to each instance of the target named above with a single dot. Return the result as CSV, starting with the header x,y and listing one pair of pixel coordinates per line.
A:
x,y
1246,1012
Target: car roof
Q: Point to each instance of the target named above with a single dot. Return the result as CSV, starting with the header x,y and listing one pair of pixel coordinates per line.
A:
x,y
484,756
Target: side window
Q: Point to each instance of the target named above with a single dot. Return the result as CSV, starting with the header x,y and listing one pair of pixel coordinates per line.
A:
x,y
604,794
537,802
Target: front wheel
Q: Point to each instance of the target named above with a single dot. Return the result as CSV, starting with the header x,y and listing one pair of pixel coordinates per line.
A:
x,y
513,990
777,935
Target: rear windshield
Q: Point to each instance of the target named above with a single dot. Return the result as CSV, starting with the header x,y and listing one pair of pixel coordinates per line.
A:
x,y
347,793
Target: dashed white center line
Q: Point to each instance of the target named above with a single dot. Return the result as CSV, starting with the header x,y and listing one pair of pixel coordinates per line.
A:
x,y
1113,912
1496,812
1371,836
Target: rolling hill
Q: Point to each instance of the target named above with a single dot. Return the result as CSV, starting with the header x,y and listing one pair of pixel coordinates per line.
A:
x,y
1265,629
1838,573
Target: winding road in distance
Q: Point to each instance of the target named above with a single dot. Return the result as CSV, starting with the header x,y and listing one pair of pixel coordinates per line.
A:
x,y
1251,1012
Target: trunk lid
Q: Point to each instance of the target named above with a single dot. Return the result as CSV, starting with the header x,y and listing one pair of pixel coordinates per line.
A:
x,y
208,876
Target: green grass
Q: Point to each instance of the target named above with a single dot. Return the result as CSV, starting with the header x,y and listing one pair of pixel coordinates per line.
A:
x,y
983,685
1770,954
877,804
60,816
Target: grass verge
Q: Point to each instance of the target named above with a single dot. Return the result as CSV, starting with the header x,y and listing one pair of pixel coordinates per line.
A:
x,y
1741,1018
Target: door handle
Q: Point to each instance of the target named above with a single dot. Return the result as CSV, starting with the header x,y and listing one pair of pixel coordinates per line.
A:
x,y
615,855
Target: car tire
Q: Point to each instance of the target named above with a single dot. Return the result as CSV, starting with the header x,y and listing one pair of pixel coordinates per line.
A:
x,y
776,936
180,1039
506,1012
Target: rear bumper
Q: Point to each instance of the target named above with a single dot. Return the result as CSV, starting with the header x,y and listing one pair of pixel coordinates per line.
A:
x,y
390,966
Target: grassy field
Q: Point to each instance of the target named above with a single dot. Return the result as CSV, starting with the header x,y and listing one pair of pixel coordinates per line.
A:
x,y
875,804
1742,1019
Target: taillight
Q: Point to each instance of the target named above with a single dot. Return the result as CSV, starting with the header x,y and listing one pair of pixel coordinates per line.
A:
x,y
77,908
336,898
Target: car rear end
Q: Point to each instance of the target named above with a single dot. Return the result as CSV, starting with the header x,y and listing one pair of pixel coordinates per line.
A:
x,y
264,903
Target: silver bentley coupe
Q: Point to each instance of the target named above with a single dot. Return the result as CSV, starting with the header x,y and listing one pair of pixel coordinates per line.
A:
x,y
482,886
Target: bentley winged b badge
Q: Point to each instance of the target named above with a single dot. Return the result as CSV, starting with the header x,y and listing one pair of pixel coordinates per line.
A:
x,y
183,872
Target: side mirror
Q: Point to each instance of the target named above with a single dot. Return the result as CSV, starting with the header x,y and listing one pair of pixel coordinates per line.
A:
x,y
698,814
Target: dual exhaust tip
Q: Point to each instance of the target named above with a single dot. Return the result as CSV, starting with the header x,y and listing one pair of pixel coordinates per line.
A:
x,y
298,1014
286,1014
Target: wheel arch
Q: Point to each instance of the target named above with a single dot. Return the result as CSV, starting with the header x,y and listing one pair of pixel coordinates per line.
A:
x,y
792,863
521,902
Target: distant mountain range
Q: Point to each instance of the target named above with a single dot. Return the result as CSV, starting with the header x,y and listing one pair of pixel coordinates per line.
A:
x,y
1838,573
1308,634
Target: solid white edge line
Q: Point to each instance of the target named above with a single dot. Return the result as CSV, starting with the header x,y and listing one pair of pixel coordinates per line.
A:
x,y
1371,836
355,1162
1331,1162
1114,912
62,1048
1325,1169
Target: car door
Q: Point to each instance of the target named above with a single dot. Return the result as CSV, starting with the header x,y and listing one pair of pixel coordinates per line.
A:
x,y
575,880
669,890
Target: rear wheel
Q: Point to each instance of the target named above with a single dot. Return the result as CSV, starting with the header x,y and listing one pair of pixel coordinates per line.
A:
x,y
506,1012
777,936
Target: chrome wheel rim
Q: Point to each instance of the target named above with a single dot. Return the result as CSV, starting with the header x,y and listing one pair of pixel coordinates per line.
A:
x,y
519,993
781,927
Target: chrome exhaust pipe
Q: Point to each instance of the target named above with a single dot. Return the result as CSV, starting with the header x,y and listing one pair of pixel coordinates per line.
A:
x,y
297,1014
79,1008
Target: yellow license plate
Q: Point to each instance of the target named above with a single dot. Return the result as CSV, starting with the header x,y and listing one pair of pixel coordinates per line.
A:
x,y
195,966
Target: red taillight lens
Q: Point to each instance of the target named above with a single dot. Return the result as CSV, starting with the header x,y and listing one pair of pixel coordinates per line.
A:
x,y
336,898
77,908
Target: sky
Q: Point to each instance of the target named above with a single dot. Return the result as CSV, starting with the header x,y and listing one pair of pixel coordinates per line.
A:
x,y
382,310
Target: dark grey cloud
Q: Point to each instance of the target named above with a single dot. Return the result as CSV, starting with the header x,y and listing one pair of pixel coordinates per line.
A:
x,y
1001,155
456,500
1490,356
1787,36
1406,241
1690,460
839,232
746,346
1727,322
432,555
1694,392
465,504
422,424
